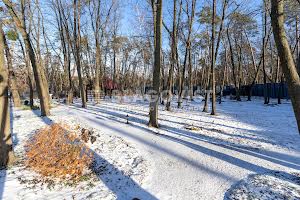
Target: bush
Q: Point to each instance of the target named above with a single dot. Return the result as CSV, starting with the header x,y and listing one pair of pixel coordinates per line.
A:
x,y
56,151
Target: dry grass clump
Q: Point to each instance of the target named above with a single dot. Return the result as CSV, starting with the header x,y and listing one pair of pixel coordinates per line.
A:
x,y
56,151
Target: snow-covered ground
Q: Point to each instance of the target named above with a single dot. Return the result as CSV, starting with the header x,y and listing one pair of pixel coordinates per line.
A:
x,y
118,170
193,155
273,185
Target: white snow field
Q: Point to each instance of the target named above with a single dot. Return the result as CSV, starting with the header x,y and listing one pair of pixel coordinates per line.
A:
x,y
193,155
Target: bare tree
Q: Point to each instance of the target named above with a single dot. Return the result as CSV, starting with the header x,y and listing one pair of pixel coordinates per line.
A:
x,y
286,58
38,71
12,77
174,43
6,148
213,81
77,48
188,47
157,65
64,35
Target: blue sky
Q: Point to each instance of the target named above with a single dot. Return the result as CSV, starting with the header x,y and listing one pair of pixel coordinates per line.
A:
x,y
129,22
132,9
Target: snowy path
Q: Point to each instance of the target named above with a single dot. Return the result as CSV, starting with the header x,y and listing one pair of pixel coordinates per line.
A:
x,y
245,138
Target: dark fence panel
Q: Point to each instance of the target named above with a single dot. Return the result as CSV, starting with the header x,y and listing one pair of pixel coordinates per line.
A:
x,y
273,89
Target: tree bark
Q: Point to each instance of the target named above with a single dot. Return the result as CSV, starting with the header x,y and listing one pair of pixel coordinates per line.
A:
x,y
12,78
97,70
157,66
77,50
286,58
213,81
173,56
264,54
6,148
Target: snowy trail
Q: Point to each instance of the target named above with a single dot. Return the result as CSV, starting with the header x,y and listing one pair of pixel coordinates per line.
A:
x,y
204,163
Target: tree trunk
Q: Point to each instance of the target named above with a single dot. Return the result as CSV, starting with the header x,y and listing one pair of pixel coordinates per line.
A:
x,y
6,148
213,81
77,51
236,81
97,70
157,66
65,38
264,55
173,57
12,78
191,89
37,71
181,88
280,90
29,74
224,75
187,52
286,58
207,91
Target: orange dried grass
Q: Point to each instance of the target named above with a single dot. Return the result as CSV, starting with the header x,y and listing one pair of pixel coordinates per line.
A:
x,y
58,152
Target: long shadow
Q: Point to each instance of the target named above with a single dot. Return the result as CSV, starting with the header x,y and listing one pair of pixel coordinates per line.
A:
x,y
115,178
193,120
215,130
268,140
219,155
159,148
239,115
285,160
202,127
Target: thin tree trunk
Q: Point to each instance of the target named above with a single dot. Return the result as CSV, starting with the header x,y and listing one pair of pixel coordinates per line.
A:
x,y
191,89
224,75
213,81
29,75
173,56
207,90
97,69
12,78
64,37
236,81
187,50
264,54
153,121
77,50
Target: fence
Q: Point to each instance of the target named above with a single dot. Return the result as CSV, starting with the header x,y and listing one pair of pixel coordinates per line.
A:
x,y
272,90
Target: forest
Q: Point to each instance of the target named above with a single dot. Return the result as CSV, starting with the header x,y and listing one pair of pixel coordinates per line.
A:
x,y
149,99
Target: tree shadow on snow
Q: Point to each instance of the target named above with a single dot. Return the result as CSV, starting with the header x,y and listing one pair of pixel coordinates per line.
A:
x,y
203,124
123,186
219,155
274,157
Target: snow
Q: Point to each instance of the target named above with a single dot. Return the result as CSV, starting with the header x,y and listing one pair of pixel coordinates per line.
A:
x,y
119,166
193,155
273,185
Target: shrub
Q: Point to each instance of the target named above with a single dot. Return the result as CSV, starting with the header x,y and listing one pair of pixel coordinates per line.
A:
x,y
56,151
